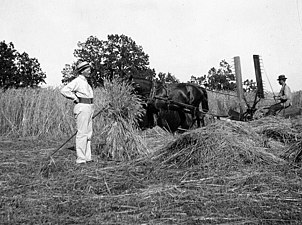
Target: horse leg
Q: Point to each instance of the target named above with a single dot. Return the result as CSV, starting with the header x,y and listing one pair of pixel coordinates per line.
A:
x,y
150,115
155,119
202,121
183,120
201,117
198,117
194,118
162,120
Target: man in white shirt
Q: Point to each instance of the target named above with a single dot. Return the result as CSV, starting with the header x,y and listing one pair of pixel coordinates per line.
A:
x,y
81,93
284,97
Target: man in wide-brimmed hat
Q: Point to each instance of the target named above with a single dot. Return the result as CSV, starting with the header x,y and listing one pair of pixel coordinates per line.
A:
x,y
81,93
284,97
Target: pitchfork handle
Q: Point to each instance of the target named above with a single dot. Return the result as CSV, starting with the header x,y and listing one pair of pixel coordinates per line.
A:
x,y
99,112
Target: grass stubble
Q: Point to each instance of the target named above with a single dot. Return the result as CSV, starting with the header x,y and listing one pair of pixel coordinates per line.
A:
x,y
225,173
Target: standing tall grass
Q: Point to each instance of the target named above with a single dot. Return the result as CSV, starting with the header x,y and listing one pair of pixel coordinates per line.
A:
x,y
45,113
35,112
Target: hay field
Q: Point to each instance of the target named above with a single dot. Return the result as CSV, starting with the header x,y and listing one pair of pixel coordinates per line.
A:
x,y
225,173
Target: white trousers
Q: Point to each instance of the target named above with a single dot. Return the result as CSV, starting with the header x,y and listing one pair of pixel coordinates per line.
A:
x,y
83,114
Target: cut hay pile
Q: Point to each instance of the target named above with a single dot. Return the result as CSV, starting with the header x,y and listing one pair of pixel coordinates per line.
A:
x,y
277,128
118,131
294,152
286,132
222,145
156,138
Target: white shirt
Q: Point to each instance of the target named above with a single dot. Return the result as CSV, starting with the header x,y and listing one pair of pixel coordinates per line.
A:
x,y
77,88
285,94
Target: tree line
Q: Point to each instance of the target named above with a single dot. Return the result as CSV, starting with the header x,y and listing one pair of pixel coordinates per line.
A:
x,y
118,56
18,70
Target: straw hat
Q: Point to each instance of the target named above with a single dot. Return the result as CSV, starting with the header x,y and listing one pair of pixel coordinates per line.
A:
x,y
81,66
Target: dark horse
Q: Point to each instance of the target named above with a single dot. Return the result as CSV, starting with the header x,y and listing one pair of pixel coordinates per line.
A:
x,y
144,89
174,105
178,105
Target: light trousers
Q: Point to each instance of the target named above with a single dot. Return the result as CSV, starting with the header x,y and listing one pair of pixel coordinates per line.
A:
x,y
83,114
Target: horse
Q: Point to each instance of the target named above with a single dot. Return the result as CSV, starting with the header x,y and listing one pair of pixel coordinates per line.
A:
x,y
144,88
178,105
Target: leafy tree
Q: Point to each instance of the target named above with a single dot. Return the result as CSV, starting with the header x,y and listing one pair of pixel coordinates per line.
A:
x,y
217,79
249,85
125,57
167,78
29,73
197,80
92,51
7,66
68,73
18,70
119,56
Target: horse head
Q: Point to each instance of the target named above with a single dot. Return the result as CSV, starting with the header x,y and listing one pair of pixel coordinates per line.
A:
x,y
143,88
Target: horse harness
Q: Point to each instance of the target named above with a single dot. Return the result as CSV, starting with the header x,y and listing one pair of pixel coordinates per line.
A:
x,y
177,106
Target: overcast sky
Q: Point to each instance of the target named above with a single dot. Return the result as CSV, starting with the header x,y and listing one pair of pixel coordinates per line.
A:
x,y
183,37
